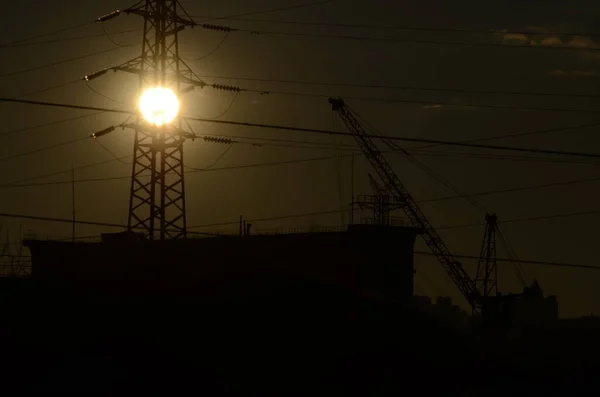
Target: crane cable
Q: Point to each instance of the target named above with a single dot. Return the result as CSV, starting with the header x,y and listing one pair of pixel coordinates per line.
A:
x,y
513,256
338,163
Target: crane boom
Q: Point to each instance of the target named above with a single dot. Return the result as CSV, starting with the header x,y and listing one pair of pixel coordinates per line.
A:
x,y
393,184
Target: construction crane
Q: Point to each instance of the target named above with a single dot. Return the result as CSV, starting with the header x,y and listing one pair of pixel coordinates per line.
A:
x,y
486,276
491,304
393,184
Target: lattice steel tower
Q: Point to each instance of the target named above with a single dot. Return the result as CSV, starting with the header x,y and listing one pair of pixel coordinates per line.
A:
x,y
157,205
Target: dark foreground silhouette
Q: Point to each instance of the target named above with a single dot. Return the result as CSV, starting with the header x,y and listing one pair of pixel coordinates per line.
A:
x,y
296,338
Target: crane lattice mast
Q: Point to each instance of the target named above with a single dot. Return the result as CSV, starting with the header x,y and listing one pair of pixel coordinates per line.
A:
x,y
486,278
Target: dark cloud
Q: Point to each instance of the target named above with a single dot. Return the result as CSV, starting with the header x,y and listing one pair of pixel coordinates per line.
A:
x,y
578,73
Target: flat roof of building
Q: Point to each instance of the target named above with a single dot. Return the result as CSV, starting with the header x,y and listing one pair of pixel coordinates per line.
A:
x,y
303,233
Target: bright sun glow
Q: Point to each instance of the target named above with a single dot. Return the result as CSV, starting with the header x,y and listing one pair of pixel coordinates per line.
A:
x,y
159,106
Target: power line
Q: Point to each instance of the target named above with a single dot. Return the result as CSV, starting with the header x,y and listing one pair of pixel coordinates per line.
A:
x,y
298,144
573,265
54,183
66,106
60,220
114,225
487,157
407,41
237,167
516,189
48,65
43,149
407,28
425,168
286,8
418,140
388,100
273,218
87,84
315,130
62,30
18,130
276,163
115,157
429,103
403,88
109,37
39,91
215,49
65,39
320,213
215,162
228,108
80,222
419,149
528,219
304,215
519,134
426,103
434,153
20,183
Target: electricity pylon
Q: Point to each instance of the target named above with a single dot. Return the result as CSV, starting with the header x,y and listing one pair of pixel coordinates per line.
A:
x,y
157,205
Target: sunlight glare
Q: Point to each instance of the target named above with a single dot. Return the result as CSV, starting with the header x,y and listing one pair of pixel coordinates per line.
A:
x,y
159,106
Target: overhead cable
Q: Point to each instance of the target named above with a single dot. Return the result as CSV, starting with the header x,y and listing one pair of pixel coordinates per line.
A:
x,y
270,10
404,87
43,149
410,28
48,65
315,130
527,219
49,124
74,38
414,41
51,33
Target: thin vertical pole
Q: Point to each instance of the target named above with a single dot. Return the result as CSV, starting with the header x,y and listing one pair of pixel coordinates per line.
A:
x,y
352,190
73,199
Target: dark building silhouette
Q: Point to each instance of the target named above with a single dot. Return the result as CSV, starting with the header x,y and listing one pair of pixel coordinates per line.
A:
x,y
533,309
253,314
448,314
368,260
590,322
296,313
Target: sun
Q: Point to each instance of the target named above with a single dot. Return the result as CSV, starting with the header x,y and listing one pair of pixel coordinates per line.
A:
x,y
159,106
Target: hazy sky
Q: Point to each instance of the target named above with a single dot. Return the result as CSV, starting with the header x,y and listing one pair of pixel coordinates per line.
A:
x,y
269,191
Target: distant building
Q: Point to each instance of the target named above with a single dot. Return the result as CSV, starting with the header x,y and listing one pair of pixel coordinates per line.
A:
x,y
527,310
364,260
450,315
532,309
587,322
